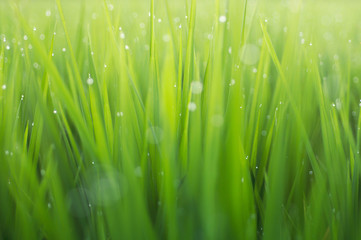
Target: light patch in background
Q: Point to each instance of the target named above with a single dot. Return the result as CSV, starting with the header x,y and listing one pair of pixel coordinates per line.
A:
x,y
217,120
154,135
197,87
250,54
77,202
105,185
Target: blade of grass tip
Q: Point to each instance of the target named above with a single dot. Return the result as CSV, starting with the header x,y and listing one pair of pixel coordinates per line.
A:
x,y
344,114
244,22
254,145
256,96
170,22
183,149
179,83
308,145
45,84
189,54
78,79
152,39
59,86
80,31
153,90
100,135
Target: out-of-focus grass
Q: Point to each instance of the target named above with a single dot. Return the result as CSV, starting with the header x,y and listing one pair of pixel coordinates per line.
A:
x,y
179,120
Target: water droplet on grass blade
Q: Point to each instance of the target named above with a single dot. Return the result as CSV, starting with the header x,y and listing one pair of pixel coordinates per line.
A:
x,y
222,19
90,80
110,7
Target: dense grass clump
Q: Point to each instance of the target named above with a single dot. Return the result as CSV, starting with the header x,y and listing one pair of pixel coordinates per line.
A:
x,y
167,119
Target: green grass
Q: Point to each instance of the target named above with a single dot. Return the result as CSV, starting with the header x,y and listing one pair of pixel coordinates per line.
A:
x,y
167,119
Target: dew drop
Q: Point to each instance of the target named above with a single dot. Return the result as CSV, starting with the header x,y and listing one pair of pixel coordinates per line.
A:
x,y
222,19
90,80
